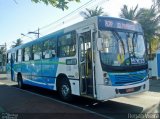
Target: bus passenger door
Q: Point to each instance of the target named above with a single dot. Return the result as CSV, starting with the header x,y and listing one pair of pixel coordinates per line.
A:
x,y
86,69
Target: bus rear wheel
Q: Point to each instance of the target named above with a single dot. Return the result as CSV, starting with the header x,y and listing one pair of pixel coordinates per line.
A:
x,y
64,90
20,81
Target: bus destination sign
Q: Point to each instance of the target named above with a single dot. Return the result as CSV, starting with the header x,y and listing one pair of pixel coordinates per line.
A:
x,y
118,24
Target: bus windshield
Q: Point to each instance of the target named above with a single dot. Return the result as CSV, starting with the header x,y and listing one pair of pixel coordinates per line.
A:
x,y
122,48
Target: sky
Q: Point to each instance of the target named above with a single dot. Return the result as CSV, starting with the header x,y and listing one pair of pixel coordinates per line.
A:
x,y
24,16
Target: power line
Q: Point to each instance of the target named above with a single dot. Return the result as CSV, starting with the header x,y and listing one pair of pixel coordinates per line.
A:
x,y
76,10
67,14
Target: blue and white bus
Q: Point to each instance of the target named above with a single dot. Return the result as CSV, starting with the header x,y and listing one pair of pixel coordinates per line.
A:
x,y
99,58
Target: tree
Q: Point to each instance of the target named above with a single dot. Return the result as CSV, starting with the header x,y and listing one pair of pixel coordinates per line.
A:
x,y
156,3
155,44
131,14
62,4
17,43
148,18
3,55
149,21
92,12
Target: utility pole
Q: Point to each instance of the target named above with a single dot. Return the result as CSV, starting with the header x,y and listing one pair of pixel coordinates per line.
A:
x,y
26,36
35,33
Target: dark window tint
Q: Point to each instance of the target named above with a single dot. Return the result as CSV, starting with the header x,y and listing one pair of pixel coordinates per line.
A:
x,y
49,48
37,52
26,54
8,57
67,45
18,55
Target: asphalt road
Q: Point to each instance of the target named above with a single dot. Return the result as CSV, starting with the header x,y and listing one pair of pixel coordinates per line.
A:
x,y
48,103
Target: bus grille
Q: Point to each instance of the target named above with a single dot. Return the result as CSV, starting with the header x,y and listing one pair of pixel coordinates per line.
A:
x,y
123,79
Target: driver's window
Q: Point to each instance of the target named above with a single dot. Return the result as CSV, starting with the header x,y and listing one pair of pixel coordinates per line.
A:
x,y
109,42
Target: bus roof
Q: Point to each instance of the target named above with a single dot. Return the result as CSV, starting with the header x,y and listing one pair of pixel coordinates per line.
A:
x,y
100,19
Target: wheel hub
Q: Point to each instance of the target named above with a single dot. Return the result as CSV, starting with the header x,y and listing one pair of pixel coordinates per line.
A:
x,y
65,90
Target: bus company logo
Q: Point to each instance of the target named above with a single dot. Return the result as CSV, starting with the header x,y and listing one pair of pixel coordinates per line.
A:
x,y
137,61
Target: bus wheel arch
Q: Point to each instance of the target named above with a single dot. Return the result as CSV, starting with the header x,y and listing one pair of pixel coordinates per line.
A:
x,y
20,80
64,87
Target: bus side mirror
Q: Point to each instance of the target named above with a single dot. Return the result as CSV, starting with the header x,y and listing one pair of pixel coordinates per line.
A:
x,y
99,44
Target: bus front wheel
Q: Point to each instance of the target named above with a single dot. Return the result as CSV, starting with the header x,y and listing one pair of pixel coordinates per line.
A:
x,y
20,81
65,90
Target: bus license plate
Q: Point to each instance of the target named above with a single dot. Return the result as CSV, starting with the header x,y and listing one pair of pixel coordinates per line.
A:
x,y
129,90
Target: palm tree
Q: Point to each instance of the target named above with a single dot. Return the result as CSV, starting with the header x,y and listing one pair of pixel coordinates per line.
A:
x,y
131,14
149,21
156,3
17,43
92,12
148,18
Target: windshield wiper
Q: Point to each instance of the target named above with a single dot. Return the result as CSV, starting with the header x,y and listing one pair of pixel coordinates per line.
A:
x,y
120,39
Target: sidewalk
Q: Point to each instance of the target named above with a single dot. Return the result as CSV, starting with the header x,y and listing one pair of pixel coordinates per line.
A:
x,y
3,76
4,80
154,85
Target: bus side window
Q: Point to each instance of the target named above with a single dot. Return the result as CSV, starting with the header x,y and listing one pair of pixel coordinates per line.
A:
x,y
26,54
8,57
13,57
19,55
37,52
23,53
49,49
67,45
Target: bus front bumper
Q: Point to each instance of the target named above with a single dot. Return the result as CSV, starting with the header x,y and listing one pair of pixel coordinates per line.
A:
x,y
108,92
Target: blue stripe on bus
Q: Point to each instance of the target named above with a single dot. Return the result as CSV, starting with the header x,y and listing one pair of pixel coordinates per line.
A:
x,y
46,68
39,84
127,78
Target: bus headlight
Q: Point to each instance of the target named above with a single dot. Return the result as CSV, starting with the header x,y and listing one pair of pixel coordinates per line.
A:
x,y
107,81
146,78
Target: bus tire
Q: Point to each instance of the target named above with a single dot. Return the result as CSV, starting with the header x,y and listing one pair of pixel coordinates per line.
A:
x,y
64,90
20,81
